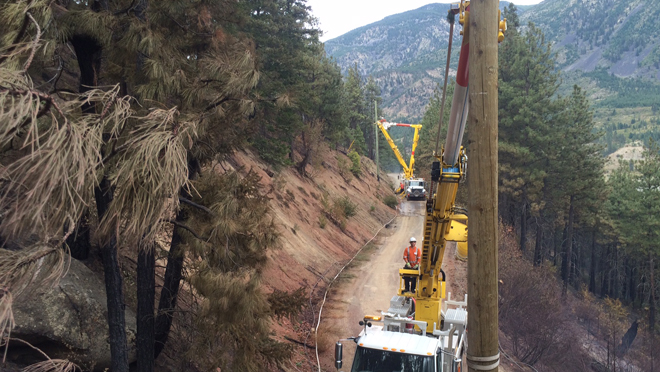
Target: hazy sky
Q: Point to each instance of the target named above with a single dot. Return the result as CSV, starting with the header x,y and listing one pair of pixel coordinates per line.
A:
x,y
336,17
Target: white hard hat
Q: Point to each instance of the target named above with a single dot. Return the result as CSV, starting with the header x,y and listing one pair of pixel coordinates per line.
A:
x,y
413,239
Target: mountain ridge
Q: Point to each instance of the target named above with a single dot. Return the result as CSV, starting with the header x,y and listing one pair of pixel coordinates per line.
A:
x,y
405,53
605,45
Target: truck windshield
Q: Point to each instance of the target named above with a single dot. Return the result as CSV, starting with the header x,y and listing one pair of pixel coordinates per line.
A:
x,y
417,183
371,360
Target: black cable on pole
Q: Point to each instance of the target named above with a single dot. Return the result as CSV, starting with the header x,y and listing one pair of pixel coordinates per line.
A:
x,y
450,18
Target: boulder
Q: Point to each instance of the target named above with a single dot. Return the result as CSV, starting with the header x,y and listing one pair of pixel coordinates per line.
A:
x,y
68,321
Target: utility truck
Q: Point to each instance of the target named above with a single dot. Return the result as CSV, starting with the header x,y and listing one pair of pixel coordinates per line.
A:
x,y
400,343
425,330
415,188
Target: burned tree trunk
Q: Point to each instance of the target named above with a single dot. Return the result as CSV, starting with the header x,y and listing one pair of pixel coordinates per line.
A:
x,y
569,248
523,224
173,273
538,255
146,292
113,286
592,264
170,291
652,294
627,340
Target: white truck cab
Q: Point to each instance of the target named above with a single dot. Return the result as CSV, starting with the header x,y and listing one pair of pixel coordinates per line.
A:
x,y
415,188
401,344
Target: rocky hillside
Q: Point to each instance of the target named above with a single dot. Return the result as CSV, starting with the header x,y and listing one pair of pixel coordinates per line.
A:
x,y
406,53
622,37
610,47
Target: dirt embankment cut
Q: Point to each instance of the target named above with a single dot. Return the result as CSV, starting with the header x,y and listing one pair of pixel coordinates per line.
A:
x,y
315,246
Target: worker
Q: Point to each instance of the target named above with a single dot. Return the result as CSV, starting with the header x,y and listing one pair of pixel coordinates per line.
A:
x,y
400,188
411,255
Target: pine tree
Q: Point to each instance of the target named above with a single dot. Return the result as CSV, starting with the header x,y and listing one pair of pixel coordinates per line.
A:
x,y
164,88
429,132
634,206
371,96
512,19
287,48
576,172
354,106
528,82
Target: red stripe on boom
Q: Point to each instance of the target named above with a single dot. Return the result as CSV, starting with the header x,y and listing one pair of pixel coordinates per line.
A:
x,y
462,73
463,66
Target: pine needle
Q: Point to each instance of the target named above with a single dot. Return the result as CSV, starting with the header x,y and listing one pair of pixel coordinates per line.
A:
x,y
52,365
6,314
37,265
51,184
150,174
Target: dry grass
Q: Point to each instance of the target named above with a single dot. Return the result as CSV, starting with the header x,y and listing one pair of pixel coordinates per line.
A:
x,y
531,311
52,365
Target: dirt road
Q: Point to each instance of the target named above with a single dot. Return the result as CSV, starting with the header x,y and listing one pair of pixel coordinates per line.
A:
x,y
373,284
380,277
378,280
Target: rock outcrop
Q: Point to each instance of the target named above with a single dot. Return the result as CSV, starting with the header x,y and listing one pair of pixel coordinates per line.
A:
x,y
67,321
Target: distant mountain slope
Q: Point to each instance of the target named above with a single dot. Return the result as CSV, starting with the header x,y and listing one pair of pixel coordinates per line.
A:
x,y
600,45
620,36
406,53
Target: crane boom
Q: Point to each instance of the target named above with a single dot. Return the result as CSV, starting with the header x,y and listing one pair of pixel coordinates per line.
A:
x,y
407,169
444,222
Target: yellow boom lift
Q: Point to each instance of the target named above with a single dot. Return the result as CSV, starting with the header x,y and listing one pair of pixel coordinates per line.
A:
x,y
384,126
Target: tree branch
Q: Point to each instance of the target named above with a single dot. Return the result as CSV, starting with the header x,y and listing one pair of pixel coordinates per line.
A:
x,y
126,10
45,97
18,38
193,204
218,103
298,342
191,231
36,42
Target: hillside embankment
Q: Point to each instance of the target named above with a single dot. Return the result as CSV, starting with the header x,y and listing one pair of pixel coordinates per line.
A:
x,y
314,245
311,244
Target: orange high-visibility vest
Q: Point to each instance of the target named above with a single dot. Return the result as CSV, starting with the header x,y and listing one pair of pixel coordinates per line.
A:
x,y
412,255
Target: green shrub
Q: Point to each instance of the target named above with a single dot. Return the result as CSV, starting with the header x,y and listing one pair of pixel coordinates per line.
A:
x,y
345,207
391,201
344,169
337,210
356,169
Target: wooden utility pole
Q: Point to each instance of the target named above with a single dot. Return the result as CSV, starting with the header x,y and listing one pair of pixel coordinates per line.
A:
x,y
483,348
376,133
